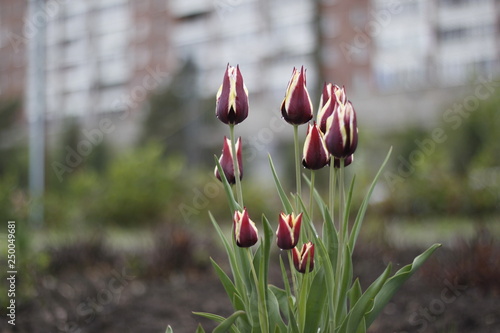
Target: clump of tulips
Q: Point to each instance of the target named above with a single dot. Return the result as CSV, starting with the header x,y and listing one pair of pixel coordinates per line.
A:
x,y
319,293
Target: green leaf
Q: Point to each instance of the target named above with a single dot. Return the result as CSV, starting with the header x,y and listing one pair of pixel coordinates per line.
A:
x,y
317,197
228,322
316,300
287,206
282,299
330,238
345,282
210,316
225,280
354,293
240,280
394,283
233,204
362,326
326,263
200,329
364,205
355,316
169,329
307,218
273,307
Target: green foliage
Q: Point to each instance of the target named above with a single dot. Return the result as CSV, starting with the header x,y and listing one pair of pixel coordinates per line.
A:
x,y
138,187
459,175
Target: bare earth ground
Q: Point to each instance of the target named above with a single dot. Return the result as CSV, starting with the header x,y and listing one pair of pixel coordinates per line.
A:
x,y
85,289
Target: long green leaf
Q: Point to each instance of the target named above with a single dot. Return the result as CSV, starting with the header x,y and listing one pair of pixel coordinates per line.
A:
x,y
330,238
169,329
273,306
287,206
233,204
394,283
282,298
307,218
228,322
316,300
326,263
240,280
364,205
225,280
354,293
355,316
345,283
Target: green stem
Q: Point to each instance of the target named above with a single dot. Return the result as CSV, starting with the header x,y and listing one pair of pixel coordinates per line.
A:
x,y
311,199
341,202
298,179
292,267
239,192
263,318
332,187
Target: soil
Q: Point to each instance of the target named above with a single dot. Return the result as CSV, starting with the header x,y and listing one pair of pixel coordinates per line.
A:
x,y
455,291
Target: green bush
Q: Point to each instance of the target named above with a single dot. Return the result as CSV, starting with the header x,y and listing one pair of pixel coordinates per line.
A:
x,y
459,176
138,187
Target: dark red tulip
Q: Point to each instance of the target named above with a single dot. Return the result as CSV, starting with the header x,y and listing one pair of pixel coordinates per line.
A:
x,y
226,161
297,107
232,98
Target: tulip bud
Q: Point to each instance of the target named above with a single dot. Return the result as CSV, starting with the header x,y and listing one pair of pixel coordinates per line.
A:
x,y
341,136
245,231
232,98
304,257
330,98
297,107
315,154
288,231
226,161
348,160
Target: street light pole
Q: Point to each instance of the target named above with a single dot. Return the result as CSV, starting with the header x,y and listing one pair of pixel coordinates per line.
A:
x,y
36,110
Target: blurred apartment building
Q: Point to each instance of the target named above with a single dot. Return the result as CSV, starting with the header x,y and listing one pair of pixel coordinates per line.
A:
x,y
399,59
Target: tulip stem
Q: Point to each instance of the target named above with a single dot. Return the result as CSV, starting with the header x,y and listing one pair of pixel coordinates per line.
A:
x,y
311,197
341,200
239,192
294,278
298,179
332,185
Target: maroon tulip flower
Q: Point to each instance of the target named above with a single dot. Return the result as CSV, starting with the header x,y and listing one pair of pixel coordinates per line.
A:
x,y
304,258
226,161
315,154
297,107
341,136
245,231
331,97
288,231
232,98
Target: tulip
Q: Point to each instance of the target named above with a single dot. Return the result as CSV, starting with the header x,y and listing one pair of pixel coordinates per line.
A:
x,y
341,136
226,161
315,154
297,107
288,231
304,258
348,160
331,97
232,98
245,231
